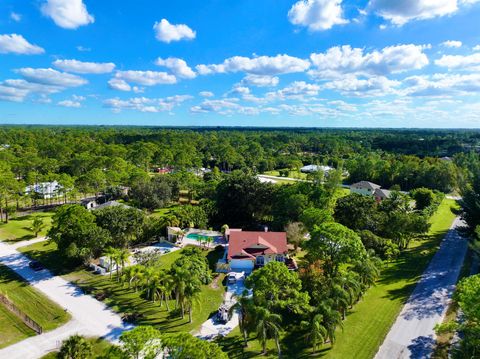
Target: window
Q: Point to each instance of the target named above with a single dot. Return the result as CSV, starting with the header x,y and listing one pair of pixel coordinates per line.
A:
x,y
260,260
280,258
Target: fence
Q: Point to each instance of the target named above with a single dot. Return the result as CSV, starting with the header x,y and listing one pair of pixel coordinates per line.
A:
x,y
29,322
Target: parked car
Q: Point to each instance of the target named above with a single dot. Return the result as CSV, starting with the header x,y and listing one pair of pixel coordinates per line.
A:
x,y
36,265
233,277
224,314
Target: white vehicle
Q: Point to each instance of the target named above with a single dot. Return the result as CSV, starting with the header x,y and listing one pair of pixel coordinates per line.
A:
x,y
233,277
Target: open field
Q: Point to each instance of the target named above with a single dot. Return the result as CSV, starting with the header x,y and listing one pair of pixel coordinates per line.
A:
x,y
18,229
291,174
369,321
125,300
30,301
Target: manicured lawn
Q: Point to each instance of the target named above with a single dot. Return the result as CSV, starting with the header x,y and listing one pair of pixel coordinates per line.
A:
x,y
18,229
29,300
291,174
125,300
370,320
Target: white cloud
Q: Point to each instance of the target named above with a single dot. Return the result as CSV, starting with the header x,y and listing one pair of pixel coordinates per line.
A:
x,y
70,103
69,14
146,78
83,49
32,87
392,59
476,48
166,32
145,104
15,17
298,89
178,67
12,94
17,44
206,94
459,61
119,84
317,15
440,85
400,12
238,90
373,86
262,65
452,43
51,77
260,81
81,67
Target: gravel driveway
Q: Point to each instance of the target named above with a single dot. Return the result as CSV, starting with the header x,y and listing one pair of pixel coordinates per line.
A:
x,y
89,316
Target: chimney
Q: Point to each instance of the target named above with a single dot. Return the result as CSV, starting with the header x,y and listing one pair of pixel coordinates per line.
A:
x,y
265,229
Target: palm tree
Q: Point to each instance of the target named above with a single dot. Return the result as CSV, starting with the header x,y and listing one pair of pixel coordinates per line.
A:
x,y
192,296
331,319
75,347
368,269
123,257
267,326
111,254
316,332
244,306
37,225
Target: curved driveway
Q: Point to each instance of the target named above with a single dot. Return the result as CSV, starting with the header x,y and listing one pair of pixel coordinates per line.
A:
x,y
89,316
412,335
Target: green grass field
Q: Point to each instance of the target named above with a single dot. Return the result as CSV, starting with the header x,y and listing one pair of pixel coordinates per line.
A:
x,y
18,229
30,301
369,321
125,300
291,174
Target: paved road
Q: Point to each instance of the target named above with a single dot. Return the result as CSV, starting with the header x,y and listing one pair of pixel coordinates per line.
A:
x,y
89,316
412,335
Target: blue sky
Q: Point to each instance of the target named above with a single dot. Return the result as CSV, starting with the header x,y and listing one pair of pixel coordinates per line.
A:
x,y
368,63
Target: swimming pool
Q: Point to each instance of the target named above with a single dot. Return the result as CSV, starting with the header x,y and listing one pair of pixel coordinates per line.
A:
x,y
201,236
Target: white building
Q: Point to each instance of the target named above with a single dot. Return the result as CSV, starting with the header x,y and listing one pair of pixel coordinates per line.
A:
x,y
364,187
44,189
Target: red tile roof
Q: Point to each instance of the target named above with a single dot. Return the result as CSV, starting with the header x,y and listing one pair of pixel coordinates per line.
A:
x,y
248,245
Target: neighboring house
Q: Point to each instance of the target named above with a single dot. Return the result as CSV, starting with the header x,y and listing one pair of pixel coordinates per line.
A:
x,y
229,231
364,187
89,203
381,194
247,250
174,234
44,189
316,168
111,204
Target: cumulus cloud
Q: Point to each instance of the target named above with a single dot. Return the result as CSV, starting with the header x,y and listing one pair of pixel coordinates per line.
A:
x,y
146,78
226,107
443,84
260,81
452,43
70,103
262,65
68,14
337,61
166,32
459,61
51,77
363,87
297,89
145,104
317,15
15,17
16,44
18,89
12,94
177,67
81,67
119,84
401,12
206,94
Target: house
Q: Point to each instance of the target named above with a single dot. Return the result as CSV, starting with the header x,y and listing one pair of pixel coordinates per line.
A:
x,y
247,250
364,187
44,190
174,234
381,194
316,168
229,231
89,203
111,204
